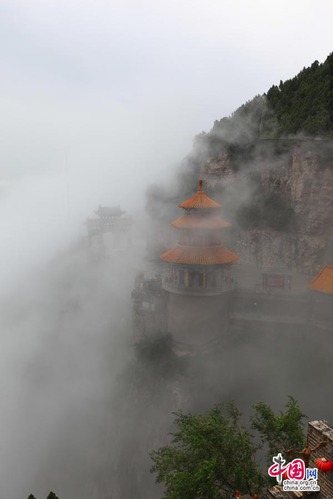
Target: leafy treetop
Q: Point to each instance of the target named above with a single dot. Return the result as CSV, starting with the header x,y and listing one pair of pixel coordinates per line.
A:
x,y
213,456
281,432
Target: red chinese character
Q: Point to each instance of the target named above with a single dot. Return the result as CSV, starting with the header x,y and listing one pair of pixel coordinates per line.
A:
x,y
277,469
296,469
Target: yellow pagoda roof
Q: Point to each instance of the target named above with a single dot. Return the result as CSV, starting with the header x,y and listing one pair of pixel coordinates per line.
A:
x,y
199,200
200,255
323,282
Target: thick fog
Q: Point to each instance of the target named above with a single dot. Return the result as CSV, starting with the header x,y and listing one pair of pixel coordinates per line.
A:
x,y
53,180
99,100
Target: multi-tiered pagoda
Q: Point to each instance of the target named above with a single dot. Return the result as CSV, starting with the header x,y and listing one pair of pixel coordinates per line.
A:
x,y
199,263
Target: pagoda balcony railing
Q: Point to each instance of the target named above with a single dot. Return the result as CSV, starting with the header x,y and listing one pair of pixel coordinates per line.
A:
x,y
197,290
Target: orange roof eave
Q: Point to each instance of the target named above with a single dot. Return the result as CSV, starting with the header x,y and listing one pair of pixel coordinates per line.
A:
x,y
199,200
198,222
323,282
195,255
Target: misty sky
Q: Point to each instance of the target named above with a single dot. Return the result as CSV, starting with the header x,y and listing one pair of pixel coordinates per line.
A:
x,y
100,98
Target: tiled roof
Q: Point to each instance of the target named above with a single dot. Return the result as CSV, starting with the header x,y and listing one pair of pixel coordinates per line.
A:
x,y
109,211
199,200
323,282
189,221
194,255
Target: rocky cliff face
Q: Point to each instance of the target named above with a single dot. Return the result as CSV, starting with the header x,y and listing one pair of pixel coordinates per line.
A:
x,y
299,173
278,194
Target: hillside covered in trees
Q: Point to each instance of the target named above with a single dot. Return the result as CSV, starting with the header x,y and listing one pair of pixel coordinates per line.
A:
x,y
303,104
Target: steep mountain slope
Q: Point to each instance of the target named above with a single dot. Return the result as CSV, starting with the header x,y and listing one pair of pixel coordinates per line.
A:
x,y
271,165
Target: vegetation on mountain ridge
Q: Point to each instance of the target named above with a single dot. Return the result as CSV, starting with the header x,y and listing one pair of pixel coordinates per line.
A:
x,y
301,105
304,103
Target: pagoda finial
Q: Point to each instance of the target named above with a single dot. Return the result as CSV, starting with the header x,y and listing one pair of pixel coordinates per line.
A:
x,y
200,185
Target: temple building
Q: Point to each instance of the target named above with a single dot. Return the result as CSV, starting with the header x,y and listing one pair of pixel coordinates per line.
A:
x,y
199,280
199,264
194,297
110,229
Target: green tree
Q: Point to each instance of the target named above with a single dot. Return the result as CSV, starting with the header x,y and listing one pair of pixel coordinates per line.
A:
x,y
31,496
211,456
281,432
52,496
